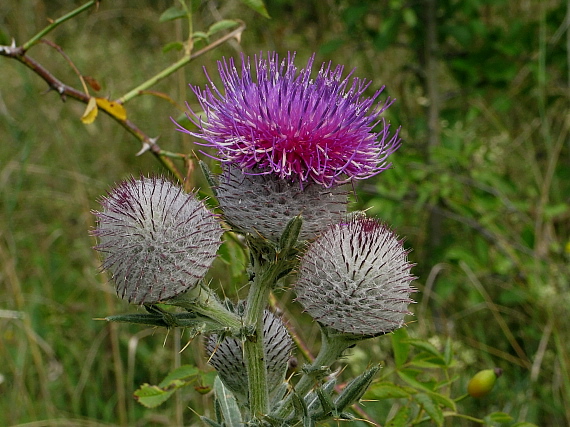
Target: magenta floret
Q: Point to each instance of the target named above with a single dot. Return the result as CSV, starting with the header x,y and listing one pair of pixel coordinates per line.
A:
x,y
281,121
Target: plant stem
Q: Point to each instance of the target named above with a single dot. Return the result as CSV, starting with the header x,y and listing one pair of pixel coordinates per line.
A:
x,y
253,347
332,346
35,39
177,65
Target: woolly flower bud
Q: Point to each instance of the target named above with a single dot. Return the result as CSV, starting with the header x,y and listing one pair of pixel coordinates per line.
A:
x,y
227,357
264,204
355,278
157,241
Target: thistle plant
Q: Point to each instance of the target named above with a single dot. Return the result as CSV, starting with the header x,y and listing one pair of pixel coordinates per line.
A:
x,y
290,145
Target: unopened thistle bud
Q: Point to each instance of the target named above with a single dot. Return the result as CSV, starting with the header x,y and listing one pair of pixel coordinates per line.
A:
x,y
226,356
264,204
156,240
355,278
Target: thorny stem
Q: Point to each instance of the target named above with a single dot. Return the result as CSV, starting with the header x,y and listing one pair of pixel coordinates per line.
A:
x,y
35,39
179,64
64,91
202,300
253,347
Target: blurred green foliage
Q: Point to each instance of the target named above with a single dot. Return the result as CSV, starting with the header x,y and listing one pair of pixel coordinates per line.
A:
x,y
480,189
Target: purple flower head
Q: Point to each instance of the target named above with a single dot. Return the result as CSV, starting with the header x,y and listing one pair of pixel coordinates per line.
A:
x,y
283,122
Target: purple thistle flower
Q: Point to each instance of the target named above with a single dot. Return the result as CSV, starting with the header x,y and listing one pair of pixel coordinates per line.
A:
x,y
157,241
355,278
283,122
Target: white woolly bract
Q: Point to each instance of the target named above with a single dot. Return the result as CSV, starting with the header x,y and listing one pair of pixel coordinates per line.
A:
x,y
355,278
157,241
264,204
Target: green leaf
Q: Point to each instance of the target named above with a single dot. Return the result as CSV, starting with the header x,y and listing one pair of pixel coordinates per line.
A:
x,y
199,35
171,14
401,418
173,46
444,401
257,5
524,424
427,360
222,25
183,373
433,410
499,417
400,346
409,376
228,404
387,390
151,395
424,345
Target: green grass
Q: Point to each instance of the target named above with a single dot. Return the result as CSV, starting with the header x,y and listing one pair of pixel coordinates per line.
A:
x,y
497,283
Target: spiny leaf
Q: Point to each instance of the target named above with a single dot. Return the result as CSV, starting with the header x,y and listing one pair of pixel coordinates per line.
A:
x,y
228,404
355,389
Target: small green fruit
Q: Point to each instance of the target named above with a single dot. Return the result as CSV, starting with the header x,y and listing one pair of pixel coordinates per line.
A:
x,y
482,382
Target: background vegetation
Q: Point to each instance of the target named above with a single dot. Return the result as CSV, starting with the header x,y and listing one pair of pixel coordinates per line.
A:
x,y
480,188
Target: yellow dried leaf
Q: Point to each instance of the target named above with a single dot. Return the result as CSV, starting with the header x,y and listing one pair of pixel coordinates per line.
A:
x,y
90,112
114,108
